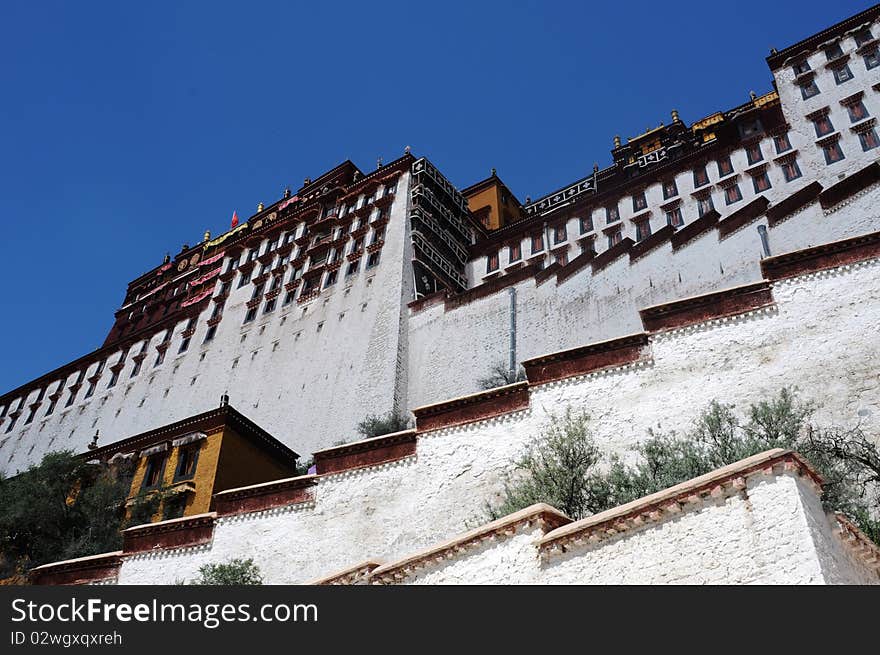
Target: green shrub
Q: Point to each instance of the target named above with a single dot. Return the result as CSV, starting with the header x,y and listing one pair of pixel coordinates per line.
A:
x,y
233,572
564,468
377,425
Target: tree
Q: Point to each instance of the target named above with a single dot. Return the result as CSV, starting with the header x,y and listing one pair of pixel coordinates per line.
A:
x,y
234,572
557,470
64,507
564,469
376,425
500,375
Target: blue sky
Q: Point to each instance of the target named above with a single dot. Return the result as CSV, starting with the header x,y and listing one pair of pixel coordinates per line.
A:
x,y
128,129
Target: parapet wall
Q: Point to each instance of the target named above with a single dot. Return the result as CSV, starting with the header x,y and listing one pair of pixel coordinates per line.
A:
x,y
399,494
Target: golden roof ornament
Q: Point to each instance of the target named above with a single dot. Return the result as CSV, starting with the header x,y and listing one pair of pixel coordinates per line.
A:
x,y
675,117
259,207
207,236
616,140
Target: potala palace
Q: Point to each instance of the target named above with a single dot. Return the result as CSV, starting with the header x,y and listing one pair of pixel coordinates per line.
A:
x,y
722,258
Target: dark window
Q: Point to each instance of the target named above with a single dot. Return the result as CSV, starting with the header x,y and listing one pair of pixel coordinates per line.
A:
x,y
868,139
732,194
155,467
561,258
559,234
754,154
244,279
809,89
862,37
761,182
823,125
373,259
701,178
184,344
725,167
791,170
352,268
612,214
704,206
71,398
857,111
330,281
643,230
801,67
832,152
537,242
492,263
674,217
51,407
586,224
514,252
781,142
160,357
670,190
258,291
614,237
250,315
136,368
639,202
842,74
750,128
114,376
833,52
187,458
872,59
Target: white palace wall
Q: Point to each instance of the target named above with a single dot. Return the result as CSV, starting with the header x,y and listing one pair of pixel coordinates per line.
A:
x,y
814,337
307,373
590,307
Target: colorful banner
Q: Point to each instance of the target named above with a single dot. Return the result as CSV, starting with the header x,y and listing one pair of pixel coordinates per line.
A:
x,y
223,238
211,260
198,298
207,276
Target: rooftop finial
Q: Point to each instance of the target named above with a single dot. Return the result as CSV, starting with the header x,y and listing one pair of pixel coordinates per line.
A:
x,y
675,117
166,258
407,150
616,140
259,206
595,167
207,236
286,192
753,95
224,399
528,199
94,444
307,181
494,173
378,162
774,51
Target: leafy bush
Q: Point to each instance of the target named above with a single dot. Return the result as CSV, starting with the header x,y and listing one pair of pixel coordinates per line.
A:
x,y
233,572
500,375
377,425
564,467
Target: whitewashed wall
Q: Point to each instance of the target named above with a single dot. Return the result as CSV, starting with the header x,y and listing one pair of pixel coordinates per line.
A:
x,y
593,307
309,387
774,532
815,339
